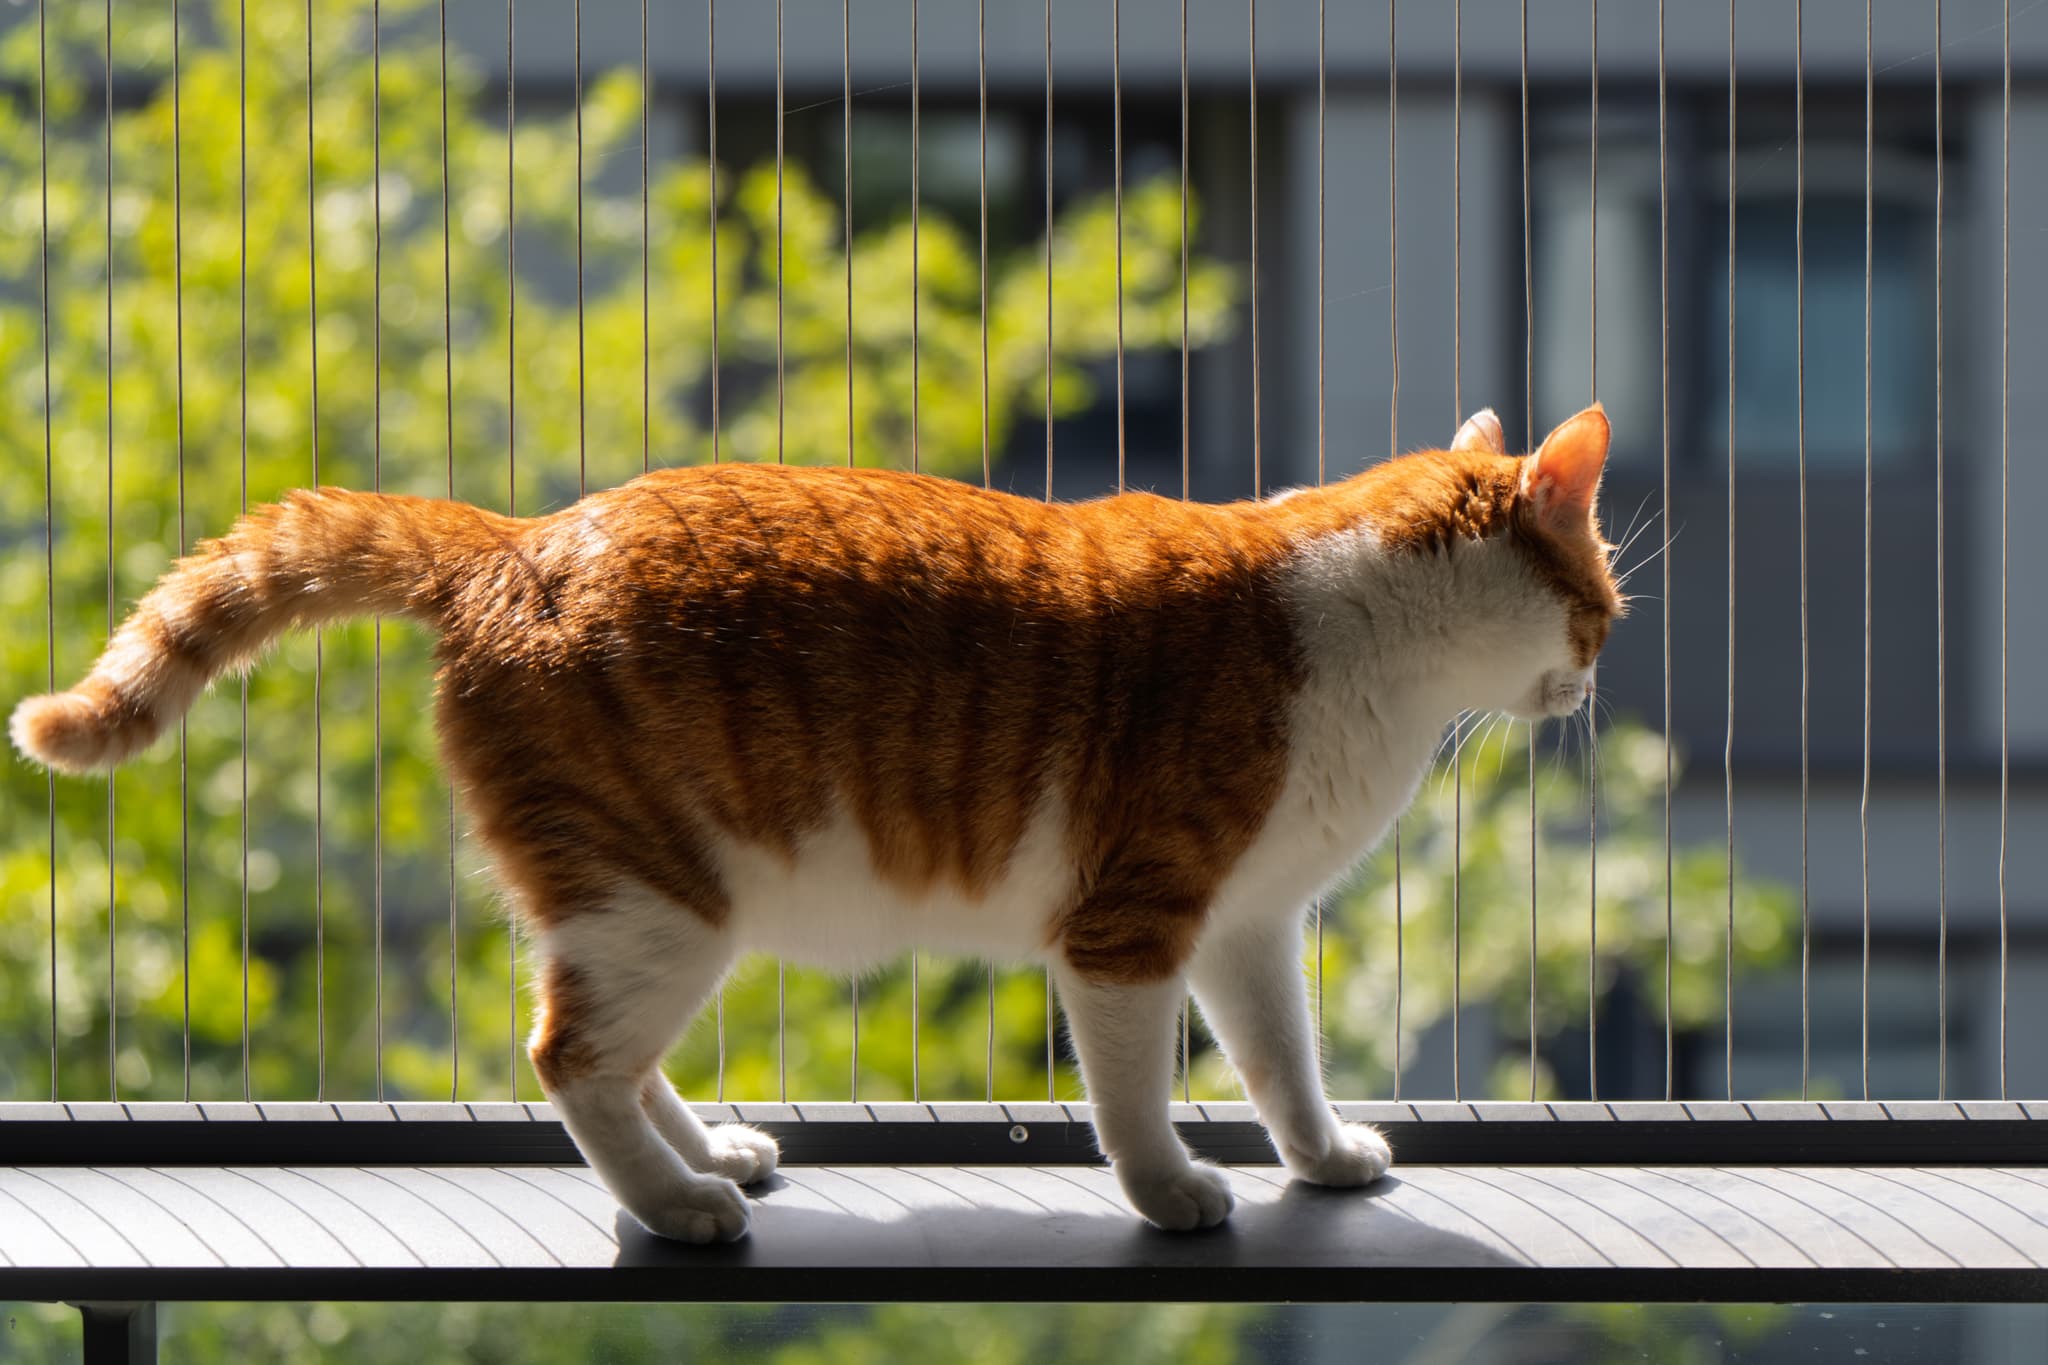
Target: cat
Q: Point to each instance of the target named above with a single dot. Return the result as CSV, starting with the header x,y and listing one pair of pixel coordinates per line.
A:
x,y
830,714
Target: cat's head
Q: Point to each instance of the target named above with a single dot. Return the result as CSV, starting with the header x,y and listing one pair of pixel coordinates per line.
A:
x,y
1541,514
1494,564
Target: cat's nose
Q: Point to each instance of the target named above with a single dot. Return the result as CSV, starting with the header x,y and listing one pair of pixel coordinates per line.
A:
x,y
1568,697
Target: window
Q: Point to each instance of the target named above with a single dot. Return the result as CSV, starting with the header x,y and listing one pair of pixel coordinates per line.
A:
x,y
1767,293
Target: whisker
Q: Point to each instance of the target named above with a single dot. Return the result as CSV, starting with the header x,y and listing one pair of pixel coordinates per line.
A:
x,y
1491,726
1621,579
1444,740
1628,537
1471,720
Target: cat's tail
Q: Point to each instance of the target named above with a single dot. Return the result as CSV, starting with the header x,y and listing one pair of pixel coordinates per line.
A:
x,y
319,555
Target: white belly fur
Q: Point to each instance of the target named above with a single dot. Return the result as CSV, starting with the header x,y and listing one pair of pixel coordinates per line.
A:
x,y
827,908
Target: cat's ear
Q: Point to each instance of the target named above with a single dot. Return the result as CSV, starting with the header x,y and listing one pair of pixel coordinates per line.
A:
x,y
1563,476
1481,432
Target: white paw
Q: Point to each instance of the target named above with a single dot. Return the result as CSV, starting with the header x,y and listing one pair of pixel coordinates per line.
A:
x,y
1356,1154
740,1153
707,1209
1179,1199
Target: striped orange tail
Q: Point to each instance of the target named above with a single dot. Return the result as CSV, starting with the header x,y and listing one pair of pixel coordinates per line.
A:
x,y
317,556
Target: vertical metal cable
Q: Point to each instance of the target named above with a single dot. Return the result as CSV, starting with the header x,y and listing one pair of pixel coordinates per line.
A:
x,y
781,373
1863,805
1116,72
1186,432
781,113
377,485
319,754
916,292
1805,657
711,163
1593,395
1051,1073
2004,521
1457,418
846,204
582,369
1051,1070
49,493
1940,589
184,765
1048,324
1529,440
646,247
1186,1007
511,503
916,392
1400,956
981,129
448,430
1252,103
511,267
1258,423
1393,449
1728,744
711,126
1322,375
112,831
846,198
1664,381
242,334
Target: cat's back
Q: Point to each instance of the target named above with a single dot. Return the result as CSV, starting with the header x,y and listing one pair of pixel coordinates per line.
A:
x,y
836,548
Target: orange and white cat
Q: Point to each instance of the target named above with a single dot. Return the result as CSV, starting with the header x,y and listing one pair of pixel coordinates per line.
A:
x,y
834,714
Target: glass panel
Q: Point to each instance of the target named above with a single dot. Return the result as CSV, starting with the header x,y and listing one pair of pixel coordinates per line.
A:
x,y
1766,331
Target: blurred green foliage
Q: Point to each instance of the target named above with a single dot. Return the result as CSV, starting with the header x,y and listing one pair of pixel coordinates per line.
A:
x,y
742,1334
988,1334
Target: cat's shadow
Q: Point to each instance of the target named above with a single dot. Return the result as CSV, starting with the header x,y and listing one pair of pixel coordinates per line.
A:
x,y
864,1240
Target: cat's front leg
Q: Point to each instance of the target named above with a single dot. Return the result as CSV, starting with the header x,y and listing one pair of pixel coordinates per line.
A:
x,y
1124,1035
1254,997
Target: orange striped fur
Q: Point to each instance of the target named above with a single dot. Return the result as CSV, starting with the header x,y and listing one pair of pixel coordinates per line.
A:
x,y
1106,724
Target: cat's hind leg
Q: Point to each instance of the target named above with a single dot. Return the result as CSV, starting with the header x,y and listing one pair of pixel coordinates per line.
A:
x,y
619,981
732,1150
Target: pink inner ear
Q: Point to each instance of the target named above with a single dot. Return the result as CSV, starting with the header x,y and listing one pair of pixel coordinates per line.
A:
x,y
1564,475
1481,432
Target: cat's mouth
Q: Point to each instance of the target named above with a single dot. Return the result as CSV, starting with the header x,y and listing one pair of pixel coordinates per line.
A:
x,y
1556,695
